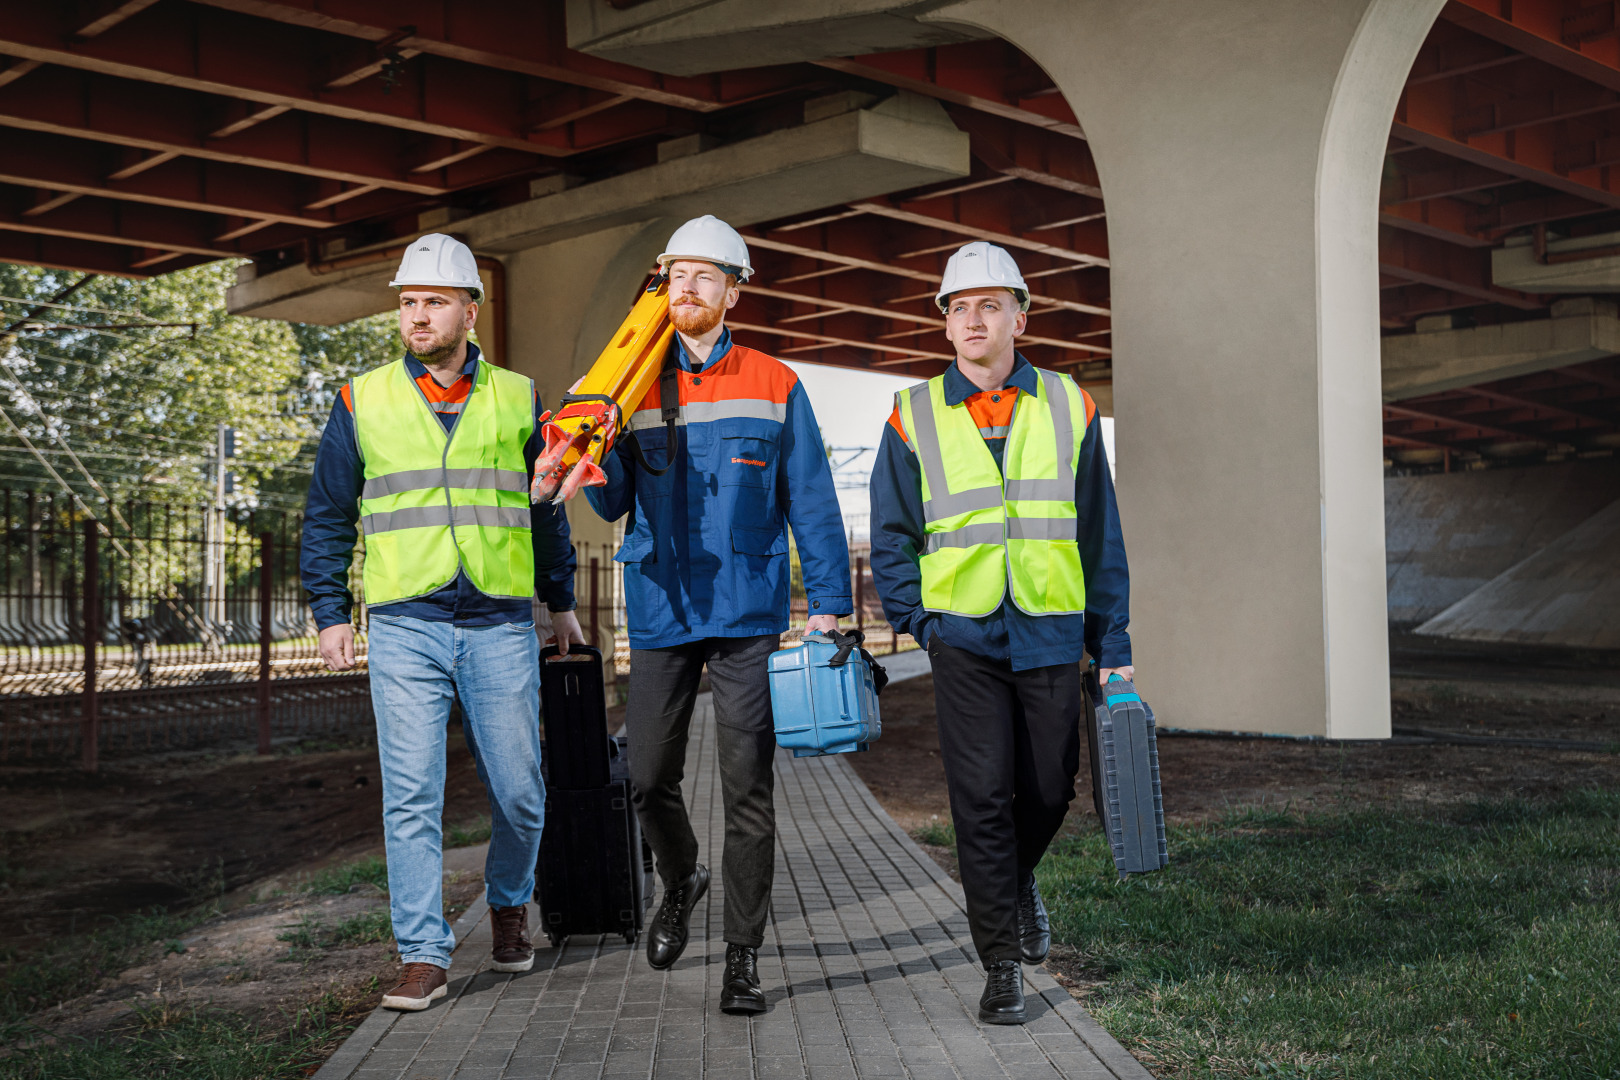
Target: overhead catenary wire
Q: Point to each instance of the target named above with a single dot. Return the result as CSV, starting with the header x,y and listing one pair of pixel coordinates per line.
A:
x,y
61,442
74,495
39,306
62,413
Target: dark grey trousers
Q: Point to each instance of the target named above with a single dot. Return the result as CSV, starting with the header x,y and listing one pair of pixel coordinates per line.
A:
x,y
658,717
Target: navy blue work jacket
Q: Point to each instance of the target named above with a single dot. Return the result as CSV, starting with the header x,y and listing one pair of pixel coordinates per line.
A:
x,y
1007,634
705,548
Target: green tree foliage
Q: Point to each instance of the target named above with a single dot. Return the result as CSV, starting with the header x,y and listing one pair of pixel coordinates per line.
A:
x,y
120,386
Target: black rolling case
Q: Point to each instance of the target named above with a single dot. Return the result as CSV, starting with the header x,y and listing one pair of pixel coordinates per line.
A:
x,y
574,704
595,869
1125,775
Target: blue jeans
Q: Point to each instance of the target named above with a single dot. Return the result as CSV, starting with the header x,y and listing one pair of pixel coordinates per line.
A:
x,y
417,669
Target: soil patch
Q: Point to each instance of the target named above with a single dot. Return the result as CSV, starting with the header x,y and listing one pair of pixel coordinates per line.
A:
x,y
264,963
181,830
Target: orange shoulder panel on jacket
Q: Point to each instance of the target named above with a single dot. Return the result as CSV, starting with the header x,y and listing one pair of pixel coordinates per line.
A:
x,y
744,373
894,422
348,398
1091,408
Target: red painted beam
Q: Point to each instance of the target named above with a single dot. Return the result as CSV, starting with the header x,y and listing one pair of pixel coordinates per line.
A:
x,y
1458,178
1409,257
110,222
212,188
1537,29
1441,219
63,253
521,36
1403,301
1027,153
50,161
1460,425
1449,52
1568,100
149,116
1540,209
1426,115
217,52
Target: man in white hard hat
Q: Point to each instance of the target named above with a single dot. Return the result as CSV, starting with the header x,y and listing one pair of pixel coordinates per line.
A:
x,y
996,544
432,456
706,573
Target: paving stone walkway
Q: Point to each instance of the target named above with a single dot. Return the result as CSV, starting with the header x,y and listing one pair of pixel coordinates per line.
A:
x,y
868,965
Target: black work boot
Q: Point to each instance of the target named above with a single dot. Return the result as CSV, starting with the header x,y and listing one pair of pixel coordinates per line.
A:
x,y
1003,999
667,938
1034,928
741,995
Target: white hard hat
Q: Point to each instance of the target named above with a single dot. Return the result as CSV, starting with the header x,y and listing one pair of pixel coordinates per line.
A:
x,y
711,240
437,259
981,265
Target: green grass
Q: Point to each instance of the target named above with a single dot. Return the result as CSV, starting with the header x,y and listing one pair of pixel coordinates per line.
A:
x,y
73,966
336,880
936,833
1474,943
194,1045
467,834
307,937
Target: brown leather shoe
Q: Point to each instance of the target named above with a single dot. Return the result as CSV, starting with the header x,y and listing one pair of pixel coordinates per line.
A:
x,y
419,986
512,950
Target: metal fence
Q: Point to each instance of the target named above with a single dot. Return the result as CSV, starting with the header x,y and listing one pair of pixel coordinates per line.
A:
x,y
148,627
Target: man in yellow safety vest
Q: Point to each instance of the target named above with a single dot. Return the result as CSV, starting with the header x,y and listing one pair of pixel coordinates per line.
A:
x,y
996,544
431,457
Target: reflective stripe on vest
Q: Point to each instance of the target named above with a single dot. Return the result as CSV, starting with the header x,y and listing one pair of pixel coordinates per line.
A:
x,y
983,530
436,503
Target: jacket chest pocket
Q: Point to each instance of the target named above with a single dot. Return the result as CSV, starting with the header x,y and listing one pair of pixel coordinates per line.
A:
x,y
654,443
747,461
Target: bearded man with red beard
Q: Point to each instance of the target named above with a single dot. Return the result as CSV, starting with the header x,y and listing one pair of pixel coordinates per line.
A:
x,y
706,574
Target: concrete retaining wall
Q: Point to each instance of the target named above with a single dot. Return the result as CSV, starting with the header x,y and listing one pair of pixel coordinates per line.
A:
x,y
1449,535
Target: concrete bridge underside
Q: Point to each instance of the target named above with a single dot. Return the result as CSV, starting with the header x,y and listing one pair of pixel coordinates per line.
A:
x,y
1219,217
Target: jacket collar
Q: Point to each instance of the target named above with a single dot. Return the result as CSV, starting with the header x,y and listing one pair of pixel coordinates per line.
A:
x,y
958,387
721,348
416,369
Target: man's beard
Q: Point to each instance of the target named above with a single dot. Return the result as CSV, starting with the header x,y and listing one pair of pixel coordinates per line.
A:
x,y
443,351
696,318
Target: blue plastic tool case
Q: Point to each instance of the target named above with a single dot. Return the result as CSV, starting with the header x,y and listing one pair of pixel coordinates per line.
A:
x,y
821,708
1125,775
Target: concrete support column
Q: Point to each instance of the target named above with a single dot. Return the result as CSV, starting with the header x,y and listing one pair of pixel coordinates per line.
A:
x,y
1239,144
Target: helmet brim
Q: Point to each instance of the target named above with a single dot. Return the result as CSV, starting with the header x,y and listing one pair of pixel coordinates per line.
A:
x,y
742,273
943,300
477,294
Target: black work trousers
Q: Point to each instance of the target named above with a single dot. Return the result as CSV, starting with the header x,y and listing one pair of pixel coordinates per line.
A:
x,y
1010,743
658,717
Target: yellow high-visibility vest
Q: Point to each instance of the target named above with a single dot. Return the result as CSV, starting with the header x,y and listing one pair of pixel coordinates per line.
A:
x,y
985,529
437,502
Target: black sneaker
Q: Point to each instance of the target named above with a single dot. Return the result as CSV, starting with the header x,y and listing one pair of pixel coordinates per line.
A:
x,y
741,995
667,938
1003,999
1034,928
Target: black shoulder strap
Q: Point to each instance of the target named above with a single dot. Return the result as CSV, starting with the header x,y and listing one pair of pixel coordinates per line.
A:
x,y
848,643
669,410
